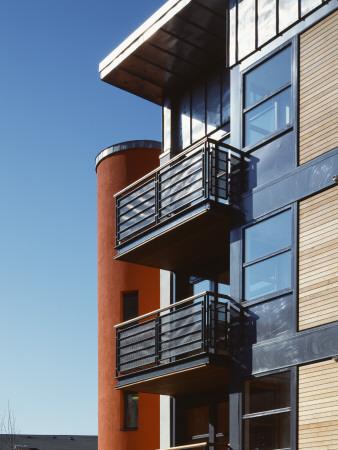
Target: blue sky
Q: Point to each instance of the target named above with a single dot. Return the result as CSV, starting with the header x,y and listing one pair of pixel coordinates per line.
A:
x,y
55,116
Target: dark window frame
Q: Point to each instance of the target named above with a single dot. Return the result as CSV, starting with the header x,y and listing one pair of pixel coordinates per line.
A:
x,y
273,412
126,426
290,248
292,85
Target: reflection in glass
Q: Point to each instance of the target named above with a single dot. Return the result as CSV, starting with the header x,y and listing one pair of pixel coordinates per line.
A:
x,y
266,20
268,77
288,13
225,96
184,121
246,27
268,276
213,101
232,20
309,5
270,116
267,432
198,112
198,421
268,236
267,393
131,410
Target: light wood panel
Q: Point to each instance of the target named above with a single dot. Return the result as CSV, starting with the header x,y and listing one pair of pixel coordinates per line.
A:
x,y
318,406
318,89
318,259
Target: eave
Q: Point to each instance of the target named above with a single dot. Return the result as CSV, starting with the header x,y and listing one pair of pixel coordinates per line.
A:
x,y
175,45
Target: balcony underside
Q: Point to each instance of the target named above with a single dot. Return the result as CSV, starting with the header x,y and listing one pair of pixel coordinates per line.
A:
x,y
205,373
200,234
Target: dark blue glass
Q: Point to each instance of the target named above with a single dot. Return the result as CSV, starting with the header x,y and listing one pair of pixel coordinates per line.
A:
x,y
268,77
268,276
268,236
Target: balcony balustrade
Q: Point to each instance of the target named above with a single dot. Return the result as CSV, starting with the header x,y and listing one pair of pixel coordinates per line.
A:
x,y
202,178
201,446
190,333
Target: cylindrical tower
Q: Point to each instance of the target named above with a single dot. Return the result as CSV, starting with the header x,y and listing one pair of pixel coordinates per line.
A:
x,y
121,426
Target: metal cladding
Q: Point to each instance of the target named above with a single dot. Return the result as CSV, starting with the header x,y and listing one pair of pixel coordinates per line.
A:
x,y
178,43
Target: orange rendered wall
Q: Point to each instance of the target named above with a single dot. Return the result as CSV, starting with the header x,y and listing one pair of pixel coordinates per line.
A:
x,y
115,277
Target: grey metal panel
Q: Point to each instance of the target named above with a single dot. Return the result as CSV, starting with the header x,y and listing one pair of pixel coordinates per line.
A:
x,y
301,348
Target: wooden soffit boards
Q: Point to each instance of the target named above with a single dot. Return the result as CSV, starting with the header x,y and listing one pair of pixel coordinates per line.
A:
x,y
197,379
173,47
199,243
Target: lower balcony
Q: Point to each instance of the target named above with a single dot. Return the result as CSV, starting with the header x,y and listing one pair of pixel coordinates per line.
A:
x,y
178,349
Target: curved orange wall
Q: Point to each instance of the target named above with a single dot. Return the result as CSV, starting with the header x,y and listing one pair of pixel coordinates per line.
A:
x,y
115,277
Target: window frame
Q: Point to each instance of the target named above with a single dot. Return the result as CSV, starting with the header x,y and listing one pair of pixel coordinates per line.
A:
x,y
127,427
293,90
273,412
290,248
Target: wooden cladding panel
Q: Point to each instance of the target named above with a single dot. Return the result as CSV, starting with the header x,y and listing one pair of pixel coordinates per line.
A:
x,y
318,406
318,259
318,89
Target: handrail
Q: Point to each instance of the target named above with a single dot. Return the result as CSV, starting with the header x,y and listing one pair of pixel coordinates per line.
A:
x,y
184,447
178,156
188,299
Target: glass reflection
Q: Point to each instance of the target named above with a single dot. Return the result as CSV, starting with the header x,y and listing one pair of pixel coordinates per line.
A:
x,y
268,276
288,13
268,236
246,27
268,117
266,20
267,432
268,77
309,5
213,102
198,112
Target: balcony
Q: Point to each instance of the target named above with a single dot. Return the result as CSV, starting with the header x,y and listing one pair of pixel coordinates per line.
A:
x,y
201,446
180,213
177,349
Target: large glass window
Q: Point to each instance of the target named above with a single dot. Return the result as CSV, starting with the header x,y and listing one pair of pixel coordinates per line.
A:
x,y
266,419
267,97
130,305
267,256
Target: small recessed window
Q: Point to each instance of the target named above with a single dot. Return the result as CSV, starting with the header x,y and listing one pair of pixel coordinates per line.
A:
x,y
267,97
130,410
267,256
130,306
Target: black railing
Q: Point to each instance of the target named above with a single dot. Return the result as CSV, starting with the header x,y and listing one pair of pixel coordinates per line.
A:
x,y
201,172
199,324
202,446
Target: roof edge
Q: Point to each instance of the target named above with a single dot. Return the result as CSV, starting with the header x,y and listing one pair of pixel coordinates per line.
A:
x,y
116,148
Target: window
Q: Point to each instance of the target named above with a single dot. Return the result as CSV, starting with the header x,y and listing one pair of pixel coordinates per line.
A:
x,y
130,311
130,410
267,97
266,419
130,306
267,256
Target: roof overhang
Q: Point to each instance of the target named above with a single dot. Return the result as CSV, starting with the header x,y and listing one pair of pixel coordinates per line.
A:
x,y
178,43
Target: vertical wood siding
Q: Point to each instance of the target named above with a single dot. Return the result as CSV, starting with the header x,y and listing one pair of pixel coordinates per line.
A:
x,y
318,406
318,259
318,89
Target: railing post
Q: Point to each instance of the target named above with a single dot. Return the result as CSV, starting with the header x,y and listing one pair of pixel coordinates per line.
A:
x,y
228,169
206,157
116,355
157,338
157,198
117,232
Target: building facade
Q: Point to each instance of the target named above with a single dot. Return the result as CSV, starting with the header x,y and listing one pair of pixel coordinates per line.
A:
x,y
242,348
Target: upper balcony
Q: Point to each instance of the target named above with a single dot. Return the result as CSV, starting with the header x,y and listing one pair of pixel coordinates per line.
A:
x,y
180,213
178,349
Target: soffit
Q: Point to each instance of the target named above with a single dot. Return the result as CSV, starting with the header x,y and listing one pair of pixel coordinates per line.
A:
x,y
177,44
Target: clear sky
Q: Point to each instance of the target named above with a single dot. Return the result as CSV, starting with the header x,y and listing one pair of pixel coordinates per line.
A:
x,y
55,116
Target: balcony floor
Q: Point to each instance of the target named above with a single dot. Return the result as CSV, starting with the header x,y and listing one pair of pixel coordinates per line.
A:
x,y
202,375
202,234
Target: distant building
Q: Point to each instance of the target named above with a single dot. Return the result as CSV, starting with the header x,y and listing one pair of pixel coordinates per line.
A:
x,y
48,442
241,347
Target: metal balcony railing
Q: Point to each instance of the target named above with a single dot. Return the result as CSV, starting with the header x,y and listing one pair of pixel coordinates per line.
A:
x,y
201,446
202,172
198,324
